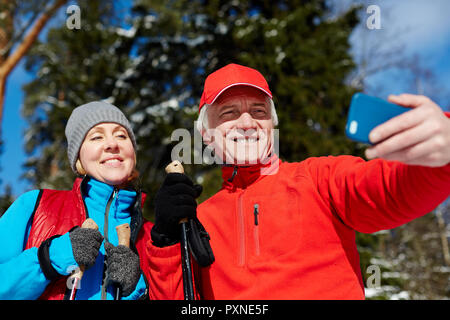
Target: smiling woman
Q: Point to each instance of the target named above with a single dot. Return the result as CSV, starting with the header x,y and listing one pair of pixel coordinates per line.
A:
x,y
42,240
107,154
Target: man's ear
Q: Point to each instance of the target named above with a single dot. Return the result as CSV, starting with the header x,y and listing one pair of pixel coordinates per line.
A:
x,y
207,138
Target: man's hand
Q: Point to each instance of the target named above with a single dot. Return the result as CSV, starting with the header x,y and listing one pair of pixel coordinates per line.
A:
x,y
420,136
174,201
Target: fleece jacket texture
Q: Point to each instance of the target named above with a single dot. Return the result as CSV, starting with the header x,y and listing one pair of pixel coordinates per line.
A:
x,y
291,234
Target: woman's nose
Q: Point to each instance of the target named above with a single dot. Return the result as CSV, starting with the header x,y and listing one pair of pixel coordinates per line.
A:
x,y
111,143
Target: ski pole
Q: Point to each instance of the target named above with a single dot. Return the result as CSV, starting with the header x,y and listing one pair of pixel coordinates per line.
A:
x,y
123,233
77,274
188,282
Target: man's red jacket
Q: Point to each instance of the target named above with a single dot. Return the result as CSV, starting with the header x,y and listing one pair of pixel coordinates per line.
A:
x,y
291,235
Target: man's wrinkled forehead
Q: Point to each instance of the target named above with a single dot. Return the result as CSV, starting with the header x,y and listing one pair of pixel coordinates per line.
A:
x,y
239,92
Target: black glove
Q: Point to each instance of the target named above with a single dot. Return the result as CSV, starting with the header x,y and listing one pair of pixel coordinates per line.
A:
x,y
85,245
123,267
174,201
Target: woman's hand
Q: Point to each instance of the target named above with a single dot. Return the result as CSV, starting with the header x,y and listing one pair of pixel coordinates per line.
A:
x,y
86,244
420,136
123,267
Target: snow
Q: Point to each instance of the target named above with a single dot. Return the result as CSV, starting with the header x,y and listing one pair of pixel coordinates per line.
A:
x,y
160,109
388,291
403,295
244,31
271,33
127,33
281,55
148,21
137,117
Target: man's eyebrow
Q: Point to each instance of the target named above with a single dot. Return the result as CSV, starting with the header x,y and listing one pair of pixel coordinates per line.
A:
x,y
260,104
228,106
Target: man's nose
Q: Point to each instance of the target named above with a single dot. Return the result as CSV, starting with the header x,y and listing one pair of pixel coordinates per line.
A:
x,y
245,121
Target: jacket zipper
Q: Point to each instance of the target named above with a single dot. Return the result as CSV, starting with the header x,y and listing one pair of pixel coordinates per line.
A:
x,y
241,224
105,235
256,229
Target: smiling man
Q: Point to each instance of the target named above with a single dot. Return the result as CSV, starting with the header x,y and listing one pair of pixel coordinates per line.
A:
x,y
237,119
290,234
241,126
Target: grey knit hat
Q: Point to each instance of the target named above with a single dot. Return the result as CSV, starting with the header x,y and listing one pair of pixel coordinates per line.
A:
x,y
86,116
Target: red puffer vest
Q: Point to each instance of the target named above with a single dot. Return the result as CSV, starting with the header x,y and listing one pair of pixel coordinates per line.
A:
x,y
58,211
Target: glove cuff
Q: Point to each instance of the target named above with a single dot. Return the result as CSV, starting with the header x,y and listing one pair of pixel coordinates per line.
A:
x,y
49,271
161,240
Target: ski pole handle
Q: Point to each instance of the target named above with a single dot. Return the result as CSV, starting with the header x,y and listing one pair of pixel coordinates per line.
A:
x,y
78,273
123,233
188,281
176,167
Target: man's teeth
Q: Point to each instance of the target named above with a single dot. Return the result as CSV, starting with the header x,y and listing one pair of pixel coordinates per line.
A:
x,y
250,140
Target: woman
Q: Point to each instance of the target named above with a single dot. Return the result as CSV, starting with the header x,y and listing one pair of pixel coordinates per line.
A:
x,y
41,242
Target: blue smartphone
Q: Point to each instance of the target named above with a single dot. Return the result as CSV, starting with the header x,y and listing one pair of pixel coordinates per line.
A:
x,y
366,113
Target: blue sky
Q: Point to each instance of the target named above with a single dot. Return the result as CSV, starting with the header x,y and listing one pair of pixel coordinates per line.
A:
x,y
422,27
13,127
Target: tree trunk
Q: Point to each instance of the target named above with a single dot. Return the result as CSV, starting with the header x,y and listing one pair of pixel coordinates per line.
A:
x,y
8,64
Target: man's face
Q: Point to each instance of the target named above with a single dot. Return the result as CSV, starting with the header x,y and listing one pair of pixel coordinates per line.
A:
x,y
241,126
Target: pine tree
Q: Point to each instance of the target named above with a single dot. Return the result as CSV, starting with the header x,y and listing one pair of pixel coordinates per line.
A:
x,y
291,42
6,199
154,70
73,67
418,255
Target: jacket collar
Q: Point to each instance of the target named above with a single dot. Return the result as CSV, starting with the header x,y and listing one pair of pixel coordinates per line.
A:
x,y
137,220
243,176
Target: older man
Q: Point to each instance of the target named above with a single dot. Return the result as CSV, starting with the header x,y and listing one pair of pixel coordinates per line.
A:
x,y
284,230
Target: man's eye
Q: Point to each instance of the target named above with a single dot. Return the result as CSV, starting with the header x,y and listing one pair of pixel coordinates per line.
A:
x,y
227,113
259,112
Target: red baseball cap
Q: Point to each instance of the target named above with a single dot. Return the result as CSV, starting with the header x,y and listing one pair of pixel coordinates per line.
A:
x,y
231,75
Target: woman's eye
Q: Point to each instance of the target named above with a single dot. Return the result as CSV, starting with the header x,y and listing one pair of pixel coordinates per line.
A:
x,y
121,136
94,138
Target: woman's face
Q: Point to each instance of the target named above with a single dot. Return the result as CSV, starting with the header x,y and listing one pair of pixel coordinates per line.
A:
x,y
107,154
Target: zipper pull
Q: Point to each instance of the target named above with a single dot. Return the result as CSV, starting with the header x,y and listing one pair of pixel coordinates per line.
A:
x,y
256,212
115,192
235,169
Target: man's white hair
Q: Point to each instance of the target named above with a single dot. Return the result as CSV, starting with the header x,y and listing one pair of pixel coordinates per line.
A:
x,y
203,123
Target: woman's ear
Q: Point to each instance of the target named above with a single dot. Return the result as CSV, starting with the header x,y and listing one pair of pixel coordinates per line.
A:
x,y
80,168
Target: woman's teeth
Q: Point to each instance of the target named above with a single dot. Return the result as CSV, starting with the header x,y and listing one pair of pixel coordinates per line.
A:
x,y
112,161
